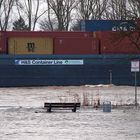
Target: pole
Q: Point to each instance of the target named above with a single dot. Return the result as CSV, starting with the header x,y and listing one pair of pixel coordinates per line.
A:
x,y
110,73
136,89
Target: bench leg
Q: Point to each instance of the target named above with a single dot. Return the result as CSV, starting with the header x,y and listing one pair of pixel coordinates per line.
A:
x,y
74,109
49,109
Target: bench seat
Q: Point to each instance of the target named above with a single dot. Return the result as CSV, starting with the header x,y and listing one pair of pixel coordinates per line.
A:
x,y
70,106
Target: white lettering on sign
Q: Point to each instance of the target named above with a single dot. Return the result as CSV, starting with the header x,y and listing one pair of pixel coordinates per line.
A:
x,y
135,66
49,62
123,26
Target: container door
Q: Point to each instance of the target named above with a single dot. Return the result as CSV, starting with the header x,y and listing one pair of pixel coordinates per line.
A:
x,y
37,45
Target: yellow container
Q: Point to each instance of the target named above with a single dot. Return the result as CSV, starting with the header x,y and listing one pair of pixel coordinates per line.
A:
x,y
34,45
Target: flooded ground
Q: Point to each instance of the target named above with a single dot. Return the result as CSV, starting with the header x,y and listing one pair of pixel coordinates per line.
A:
x,y
22,115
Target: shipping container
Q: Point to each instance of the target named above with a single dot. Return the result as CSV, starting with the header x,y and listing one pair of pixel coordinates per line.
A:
x,y
76,46
107,25
137,22
47,34
119,42
3,48
31,45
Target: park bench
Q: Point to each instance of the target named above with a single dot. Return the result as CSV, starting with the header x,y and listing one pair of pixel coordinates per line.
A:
x,y
69,106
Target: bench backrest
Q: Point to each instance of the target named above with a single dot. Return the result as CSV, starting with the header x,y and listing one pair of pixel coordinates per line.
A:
x,y
61,105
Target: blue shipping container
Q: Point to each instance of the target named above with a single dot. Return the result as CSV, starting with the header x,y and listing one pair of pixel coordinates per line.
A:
x,y
107,25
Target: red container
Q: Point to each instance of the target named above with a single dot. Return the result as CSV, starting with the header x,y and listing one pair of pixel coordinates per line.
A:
x,y
47,34
137,22
118,43
76,46
3,47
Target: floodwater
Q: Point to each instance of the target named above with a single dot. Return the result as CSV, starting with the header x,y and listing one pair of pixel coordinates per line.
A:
x,y
22,115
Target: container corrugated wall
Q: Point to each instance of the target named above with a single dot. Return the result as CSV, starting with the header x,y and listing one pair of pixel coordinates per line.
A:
x,y
117,43
76,46
3,48
36,45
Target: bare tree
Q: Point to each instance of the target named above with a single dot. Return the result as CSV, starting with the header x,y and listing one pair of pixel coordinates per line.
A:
x,y
61,11
91,9
117,9
134,8
48,25
100,9
60,14
31,10
85,8
123,9
108,9
5,11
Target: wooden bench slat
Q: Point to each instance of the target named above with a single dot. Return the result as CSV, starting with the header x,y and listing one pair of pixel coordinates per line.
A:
x,y
61,106
54,104
62,103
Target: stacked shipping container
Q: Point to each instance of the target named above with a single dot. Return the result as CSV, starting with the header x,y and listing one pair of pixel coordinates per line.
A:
x,y
78,43
115,36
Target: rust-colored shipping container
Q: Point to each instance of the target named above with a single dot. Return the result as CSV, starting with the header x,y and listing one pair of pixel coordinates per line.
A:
x,y
137,22
3,48
47,34
31,45
118,42
76,46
